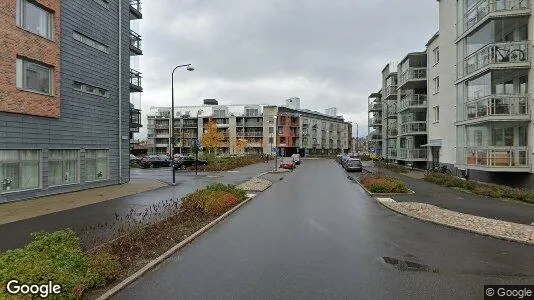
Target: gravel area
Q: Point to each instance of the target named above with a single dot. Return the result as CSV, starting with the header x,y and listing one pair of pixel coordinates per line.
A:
x,y
255,184
485,226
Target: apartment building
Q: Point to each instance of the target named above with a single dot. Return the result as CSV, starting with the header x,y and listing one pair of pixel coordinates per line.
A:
x,y
389,121
264,127
375,126
478,65
136,87
64,123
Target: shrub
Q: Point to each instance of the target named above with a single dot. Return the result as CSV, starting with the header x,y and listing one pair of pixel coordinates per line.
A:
x,y
214,200
378,184
444,179
58,257
390,166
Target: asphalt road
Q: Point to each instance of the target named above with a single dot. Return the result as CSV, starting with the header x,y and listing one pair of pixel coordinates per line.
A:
x,y
317,235
98,222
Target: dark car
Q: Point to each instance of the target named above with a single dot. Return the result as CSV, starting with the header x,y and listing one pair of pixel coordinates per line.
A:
x,y
353,164
186,162
155,161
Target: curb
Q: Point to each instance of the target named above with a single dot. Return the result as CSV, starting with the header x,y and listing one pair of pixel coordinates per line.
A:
x,y
504,238
123,284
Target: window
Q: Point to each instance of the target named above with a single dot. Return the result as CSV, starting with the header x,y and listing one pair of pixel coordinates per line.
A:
x,y
63,167
19,170
436,113
86,88
251,112
436,85
436,55
90,42
34,77
103,3
219,113
96,165
35,18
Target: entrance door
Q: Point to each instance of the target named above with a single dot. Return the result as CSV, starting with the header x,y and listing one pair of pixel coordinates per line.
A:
x,y
435,156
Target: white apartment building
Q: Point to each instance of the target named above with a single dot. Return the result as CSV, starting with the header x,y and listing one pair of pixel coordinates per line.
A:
x,y
479,98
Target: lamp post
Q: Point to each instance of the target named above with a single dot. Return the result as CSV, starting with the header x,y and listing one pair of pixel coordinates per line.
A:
x,y
275,144
189,68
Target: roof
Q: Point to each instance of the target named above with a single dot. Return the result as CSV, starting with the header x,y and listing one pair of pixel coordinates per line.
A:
x,y
433,38
376,95
412,54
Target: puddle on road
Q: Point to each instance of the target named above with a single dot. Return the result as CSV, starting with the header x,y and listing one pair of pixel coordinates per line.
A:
x,y
407,265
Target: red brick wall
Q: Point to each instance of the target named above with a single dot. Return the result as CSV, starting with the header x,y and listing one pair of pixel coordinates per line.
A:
x,y
14,42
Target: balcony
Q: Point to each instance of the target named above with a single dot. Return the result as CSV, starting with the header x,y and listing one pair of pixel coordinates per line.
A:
x,y
498,55
413,154
390,92
253,124
251,134
135,10
498,159
135,43
191,124
392,110
223,125
161,126
375,122
374,107
393,132
162,135
414,101
485,9
135,120
412,77
135,81
392,153
413,128
498,108
376,135
161,145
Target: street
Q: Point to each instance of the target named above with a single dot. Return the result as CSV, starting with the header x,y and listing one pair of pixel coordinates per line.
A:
x,y
316,234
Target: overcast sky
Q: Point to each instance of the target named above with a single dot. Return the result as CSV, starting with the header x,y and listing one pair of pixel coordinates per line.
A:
x,y
327,52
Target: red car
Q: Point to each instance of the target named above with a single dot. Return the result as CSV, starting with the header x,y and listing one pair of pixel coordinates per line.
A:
x,y
290,165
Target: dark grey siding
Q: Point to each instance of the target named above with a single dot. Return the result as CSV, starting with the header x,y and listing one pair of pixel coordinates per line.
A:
x,y
87,121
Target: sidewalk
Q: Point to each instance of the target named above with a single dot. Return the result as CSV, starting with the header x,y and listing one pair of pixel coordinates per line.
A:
x,y
21,210
451,199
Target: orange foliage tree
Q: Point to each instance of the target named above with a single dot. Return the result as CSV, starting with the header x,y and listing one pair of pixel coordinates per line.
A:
x,y
240,145
211,139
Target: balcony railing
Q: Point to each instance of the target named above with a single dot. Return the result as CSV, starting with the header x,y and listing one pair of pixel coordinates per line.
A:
x,y
375,106
135,80
412,74
135,41
161,126
392,153
413,101
497,105
375,121
413,153
392,110
393,132
136,5
413,127
497,156
485,7
497,53
390,91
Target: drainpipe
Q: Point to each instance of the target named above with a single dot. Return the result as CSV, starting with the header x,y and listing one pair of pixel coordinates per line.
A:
x,y
120,91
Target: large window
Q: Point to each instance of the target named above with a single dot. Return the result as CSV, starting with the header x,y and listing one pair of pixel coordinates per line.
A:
x,y
35,18
90,89
63,167
34,77
19,170
97,165
90,42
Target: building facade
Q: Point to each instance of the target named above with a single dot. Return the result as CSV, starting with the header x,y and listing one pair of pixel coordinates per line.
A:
x,y
375,128
478,85
263,127
64,90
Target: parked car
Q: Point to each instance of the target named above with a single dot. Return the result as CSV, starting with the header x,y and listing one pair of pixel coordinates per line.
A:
x,y
296,158
134,159
155,161
187,161
290,165
353,164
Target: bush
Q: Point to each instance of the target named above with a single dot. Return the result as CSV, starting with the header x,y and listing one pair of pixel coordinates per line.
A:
x,y
58,257
378,184
445,180
229,163
390,166
214,200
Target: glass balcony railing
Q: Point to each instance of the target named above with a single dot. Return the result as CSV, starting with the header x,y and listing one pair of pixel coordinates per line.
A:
x,y
413,101
412,154
393,132
497,53
375,106
135,41
375,121
392,110
136,4
412,74
497,156
484,7
392,153
390,91
413,127
497,105
135,80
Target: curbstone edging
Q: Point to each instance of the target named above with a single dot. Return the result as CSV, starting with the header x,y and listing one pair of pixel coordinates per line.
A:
x,y
127,281
387,204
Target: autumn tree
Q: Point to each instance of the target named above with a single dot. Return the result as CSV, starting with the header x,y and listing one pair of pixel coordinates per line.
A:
x,y
240,145
211,139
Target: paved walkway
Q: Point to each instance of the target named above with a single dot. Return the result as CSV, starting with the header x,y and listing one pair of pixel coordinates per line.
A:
x,y
451,199
21,210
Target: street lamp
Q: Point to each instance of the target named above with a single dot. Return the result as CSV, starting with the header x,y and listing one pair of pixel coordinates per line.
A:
x,y
189,68
275,144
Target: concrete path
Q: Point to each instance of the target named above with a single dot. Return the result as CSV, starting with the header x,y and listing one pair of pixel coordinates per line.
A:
x,y
317,235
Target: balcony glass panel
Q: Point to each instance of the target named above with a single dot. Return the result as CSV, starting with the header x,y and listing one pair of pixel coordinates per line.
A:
x,y
497,156
497,53
476,12
497,105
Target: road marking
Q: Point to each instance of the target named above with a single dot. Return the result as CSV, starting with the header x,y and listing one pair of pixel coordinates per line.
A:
x,y
385,200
